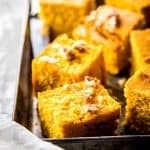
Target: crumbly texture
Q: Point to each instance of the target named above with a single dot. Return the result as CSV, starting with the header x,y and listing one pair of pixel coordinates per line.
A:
x,y
62,16
139,6
137,93
110,26
140,45
129,4
66,61
77,110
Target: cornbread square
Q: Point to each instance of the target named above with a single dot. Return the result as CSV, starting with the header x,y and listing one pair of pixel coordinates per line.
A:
x,y
140,46
110,26
137,93
77,110
113,22
65,61
63,15
139,6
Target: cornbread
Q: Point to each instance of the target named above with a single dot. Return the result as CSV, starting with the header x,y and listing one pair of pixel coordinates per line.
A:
x,y
110,26
137,93
140,45
139,6
77,110
63,15
65,61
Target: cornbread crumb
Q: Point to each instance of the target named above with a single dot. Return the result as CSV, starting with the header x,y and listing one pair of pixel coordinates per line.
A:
x,y
111,27
65,61
137,93
64,112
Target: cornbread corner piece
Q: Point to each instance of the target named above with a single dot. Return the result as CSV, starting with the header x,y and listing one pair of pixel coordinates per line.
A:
x,y
65,61
115,52
140,48
137,93
139,6
110,21
63,15
110,26
78,110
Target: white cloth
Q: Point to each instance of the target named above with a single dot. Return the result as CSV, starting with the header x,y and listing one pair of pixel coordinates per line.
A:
x,y
12,27
15,137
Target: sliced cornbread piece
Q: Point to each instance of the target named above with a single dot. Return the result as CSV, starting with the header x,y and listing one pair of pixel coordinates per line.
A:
x,y
140,45
137,93
110,21
139,6
79,109
63,15
66,61
110,26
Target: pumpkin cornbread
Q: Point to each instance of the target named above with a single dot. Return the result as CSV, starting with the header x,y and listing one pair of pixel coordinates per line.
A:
x,y
139,6
110,26
137,93
65,61
63,15
77,110
140,45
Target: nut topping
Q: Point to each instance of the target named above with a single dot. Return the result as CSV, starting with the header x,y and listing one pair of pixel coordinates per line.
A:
x,y
58,47
89,91
90,81
100,99
91,17
93,108
111,24
66,53
106,18
69,55
80,45
88,94
48,59
66,87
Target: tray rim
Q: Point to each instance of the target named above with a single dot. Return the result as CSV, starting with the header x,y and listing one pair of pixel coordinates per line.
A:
x,y
21,48
26,20
98,138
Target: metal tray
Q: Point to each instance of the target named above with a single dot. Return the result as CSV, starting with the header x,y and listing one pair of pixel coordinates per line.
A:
x,y
26,114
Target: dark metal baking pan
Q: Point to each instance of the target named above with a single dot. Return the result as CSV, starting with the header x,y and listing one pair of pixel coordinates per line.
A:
x,y
26,114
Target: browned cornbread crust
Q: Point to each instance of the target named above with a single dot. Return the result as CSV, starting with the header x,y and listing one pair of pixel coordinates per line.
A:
x,y
140,48
77,110
110,26
65,61
137,93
